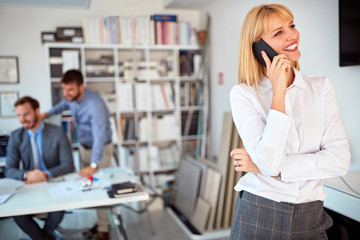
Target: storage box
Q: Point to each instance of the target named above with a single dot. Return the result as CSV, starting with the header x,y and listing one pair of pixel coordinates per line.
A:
x,y
68,32
48,37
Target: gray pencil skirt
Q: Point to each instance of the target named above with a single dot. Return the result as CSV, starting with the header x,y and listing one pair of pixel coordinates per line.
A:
x,y
260,218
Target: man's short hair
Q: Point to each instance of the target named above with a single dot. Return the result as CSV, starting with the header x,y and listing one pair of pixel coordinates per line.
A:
x,y
72,76
26,99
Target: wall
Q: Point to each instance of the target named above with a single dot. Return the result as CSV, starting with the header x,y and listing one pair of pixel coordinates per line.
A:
x,y
317,22
20,29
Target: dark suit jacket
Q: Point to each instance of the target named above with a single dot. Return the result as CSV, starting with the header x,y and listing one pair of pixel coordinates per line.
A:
x,y
57,154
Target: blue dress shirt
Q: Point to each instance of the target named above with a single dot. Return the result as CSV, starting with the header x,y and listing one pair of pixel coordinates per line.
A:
x,y
91,119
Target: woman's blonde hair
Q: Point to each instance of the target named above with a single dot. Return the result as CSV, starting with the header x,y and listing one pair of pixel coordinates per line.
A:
x,y
255,24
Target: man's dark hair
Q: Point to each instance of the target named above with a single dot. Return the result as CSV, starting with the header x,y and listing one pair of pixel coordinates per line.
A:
x,y
26,99
72,76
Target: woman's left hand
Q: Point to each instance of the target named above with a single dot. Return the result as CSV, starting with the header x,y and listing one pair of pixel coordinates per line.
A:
x,y
242,161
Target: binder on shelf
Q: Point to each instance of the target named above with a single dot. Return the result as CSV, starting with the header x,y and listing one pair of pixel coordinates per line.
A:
x,y
71,60
121,128
164,127
110,100
124,92
154,161
164,17
57,94
190,63
162,96
69,128
129,129
189,122
144,129
115,33
143,159
142,96
114,136
169,157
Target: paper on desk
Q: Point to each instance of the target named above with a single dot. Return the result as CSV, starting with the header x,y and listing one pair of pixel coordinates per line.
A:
x,y
4,197
68,188
9,185
65,189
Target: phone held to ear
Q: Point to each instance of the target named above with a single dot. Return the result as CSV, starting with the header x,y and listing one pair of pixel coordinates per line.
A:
x,y
261,45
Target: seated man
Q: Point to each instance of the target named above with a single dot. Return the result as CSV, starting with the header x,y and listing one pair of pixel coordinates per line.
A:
x,y
44,151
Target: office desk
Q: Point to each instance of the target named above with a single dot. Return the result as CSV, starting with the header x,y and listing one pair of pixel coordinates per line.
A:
x,y
341,198
37,198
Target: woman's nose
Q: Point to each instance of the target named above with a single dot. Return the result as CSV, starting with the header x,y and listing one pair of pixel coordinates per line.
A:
x,y
291,34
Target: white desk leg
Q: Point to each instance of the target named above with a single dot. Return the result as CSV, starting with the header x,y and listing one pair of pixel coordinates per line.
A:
x,y
120,226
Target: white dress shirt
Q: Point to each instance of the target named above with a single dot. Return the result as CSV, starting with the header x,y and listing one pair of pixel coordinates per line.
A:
x,y
305,145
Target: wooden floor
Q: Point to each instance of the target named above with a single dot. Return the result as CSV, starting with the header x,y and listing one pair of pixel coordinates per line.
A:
x,y
155,224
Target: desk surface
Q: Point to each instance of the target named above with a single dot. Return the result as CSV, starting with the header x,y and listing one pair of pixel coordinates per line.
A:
x,y
349,184
37,198
343,195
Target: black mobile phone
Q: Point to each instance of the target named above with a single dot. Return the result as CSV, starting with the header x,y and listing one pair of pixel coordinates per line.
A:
x,y
261,45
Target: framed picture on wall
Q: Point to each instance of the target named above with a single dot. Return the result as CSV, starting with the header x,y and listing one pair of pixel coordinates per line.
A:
x,y
7,100
9,70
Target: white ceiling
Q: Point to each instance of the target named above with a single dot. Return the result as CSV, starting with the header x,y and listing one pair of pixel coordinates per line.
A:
x,y
48,3
180,4
186,4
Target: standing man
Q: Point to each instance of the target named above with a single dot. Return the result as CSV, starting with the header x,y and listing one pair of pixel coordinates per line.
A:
x,y
91,118
44,151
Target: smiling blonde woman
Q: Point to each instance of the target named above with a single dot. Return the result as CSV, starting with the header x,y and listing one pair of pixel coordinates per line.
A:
x,y
292,132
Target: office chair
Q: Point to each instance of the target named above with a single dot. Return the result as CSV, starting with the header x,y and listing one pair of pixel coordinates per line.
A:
x,y
4,139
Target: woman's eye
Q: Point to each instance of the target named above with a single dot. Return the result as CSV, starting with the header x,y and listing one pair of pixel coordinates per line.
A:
x,y
277,34
292,26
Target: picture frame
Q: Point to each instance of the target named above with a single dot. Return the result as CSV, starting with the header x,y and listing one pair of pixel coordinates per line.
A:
x,y
7,100
9,70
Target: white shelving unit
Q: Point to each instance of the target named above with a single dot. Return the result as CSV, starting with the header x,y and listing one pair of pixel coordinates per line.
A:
x,y
134,76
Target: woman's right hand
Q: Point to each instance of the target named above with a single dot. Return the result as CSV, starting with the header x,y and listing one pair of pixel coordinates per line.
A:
x,y
278,71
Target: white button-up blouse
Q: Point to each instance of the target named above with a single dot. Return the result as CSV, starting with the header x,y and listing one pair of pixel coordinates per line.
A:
x,y
305,145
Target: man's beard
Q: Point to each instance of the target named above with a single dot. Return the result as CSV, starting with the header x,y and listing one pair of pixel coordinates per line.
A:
x,y
74,98
34,123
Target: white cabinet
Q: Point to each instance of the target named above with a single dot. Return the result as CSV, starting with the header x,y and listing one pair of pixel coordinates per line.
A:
x,y
154,94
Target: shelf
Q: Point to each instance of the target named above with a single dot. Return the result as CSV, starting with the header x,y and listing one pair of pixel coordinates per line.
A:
x,y
143,95
163,111
121,46
158,79
162,141
125,80
100,79
189,78
190,108
55,80
192,137
128,142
